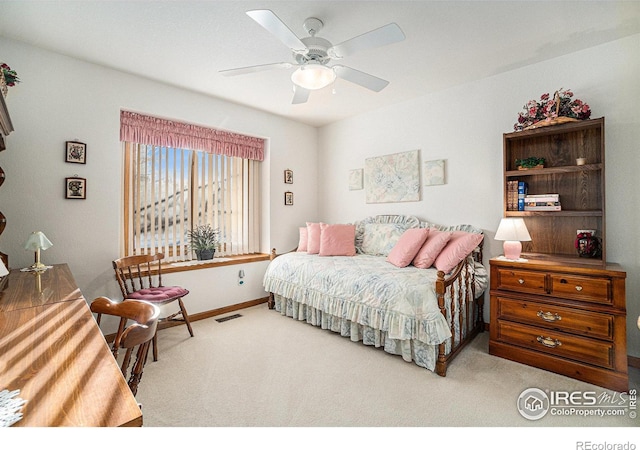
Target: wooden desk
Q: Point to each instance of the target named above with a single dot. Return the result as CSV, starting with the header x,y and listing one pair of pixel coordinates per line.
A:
x,y
53,351
28,289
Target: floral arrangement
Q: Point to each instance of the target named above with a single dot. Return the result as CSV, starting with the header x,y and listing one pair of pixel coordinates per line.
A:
x,y
10,76
548,109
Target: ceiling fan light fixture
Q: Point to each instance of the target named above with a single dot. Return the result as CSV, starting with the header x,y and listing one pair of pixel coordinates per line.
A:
x,y
313,76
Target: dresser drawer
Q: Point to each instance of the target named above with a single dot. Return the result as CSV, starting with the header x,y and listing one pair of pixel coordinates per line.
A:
x,y
596,290
556,343
569,320
521,281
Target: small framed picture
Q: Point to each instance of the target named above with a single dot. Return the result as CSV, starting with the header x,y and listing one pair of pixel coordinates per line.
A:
x,y
75,188
76,152
288,176
288,198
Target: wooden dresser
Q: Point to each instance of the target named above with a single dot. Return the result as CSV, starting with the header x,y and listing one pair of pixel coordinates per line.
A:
x,y
566,318
52,350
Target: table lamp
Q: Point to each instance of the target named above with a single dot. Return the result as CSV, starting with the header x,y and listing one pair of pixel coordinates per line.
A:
x,y
37,241
512,231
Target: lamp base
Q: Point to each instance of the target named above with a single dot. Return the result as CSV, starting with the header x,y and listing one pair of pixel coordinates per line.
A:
x,y
512,249
36,267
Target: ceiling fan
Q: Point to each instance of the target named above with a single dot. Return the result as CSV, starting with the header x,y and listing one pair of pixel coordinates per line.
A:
x,y
312,55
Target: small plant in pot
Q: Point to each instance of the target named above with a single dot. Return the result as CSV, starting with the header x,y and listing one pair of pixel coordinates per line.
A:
x,y
203,240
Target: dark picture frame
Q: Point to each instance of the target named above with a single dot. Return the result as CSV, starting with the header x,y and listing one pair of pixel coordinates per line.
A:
x,y
288,198
75,188
288,176
75,152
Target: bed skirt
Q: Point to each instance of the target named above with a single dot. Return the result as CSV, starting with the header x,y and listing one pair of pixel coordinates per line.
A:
x,y
422,354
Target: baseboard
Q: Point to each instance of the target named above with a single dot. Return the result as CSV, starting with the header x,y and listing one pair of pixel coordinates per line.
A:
x,y
225,310
205,314
632,361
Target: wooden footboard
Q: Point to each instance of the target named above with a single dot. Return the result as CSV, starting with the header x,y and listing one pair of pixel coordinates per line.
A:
x,y
461,300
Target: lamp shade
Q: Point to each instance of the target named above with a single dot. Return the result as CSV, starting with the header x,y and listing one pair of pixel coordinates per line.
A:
x,y
313,76
3,269
512,229
37,241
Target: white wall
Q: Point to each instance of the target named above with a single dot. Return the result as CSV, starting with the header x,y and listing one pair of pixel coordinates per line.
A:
x,y
464,125
62,99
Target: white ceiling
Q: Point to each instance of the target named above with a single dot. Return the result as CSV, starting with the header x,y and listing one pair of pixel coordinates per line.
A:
x,y
186,43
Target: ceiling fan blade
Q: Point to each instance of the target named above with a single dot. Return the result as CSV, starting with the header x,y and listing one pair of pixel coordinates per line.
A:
x,y
272,23
388,34
363,79
300,95
251,69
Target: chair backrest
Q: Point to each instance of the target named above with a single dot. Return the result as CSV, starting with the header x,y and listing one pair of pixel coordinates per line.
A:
x,y
139,333
138,272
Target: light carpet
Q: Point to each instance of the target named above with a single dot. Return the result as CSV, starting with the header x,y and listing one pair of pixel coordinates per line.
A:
x,y
266,370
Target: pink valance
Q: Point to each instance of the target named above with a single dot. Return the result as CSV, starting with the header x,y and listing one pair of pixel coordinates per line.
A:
x,y
148,130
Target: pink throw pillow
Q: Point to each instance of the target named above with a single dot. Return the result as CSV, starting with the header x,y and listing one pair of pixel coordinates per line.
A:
x,y
432,247
302,242
458,247
313,238
407,246
337,240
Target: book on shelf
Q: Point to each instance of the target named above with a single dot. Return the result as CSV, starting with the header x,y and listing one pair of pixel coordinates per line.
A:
x,y
542,198
529,202
512,195
523,189
544,208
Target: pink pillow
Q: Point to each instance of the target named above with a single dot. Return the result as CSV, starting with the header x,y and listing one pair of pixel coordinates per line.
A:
x,y
337,240
458,247
313,237
432,247
407,246
302,243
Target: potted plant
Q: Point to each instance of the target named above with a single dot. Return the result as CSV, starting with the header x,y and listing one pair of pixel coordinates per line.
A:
x,y
203,239
530,163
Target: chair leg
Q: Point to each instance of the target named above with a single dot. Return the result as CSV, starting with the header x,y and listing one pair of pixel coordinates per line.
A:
x,y
155,346
185,316
136,371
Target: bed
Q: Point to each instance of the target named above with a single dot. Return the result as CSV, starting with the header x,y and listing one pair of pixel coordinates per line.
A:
x,y
425,315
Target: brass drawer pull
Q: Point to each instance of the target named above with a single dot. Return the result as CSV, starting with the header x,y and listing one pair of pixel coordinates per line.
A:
x,y
548,342
578,288
549,316
521,281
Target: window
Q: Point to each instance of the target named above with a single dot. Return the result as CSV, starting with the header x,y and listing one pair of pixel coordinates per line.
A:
x,y
169,190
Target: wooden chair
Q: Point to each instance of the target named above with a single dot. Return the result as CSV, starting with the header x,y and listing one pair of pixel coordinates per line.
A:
x,y
140,278
138,334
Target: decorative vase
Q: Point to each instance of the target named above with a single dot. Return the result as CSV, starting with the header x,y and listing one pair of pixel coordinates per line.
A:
x,y
204,255
587,245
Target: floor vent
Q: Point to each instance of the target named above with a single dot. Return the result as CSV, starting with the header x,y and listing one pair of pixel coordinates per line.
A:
x,y
224,319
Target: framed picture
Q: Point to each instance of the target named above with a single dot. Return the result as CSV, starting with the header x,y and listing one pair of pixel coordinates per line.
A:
x,y
434,172
288,176
75,188
288,198
76,152
392,178
355,179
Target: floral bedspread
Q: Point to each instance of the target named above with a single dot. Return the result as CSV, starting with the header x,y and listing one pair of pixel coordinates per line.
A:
x,y
363,289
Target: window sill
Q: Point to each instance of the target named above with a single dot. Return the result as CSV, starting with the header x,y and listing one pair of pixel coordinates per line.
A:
x,y
215,262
